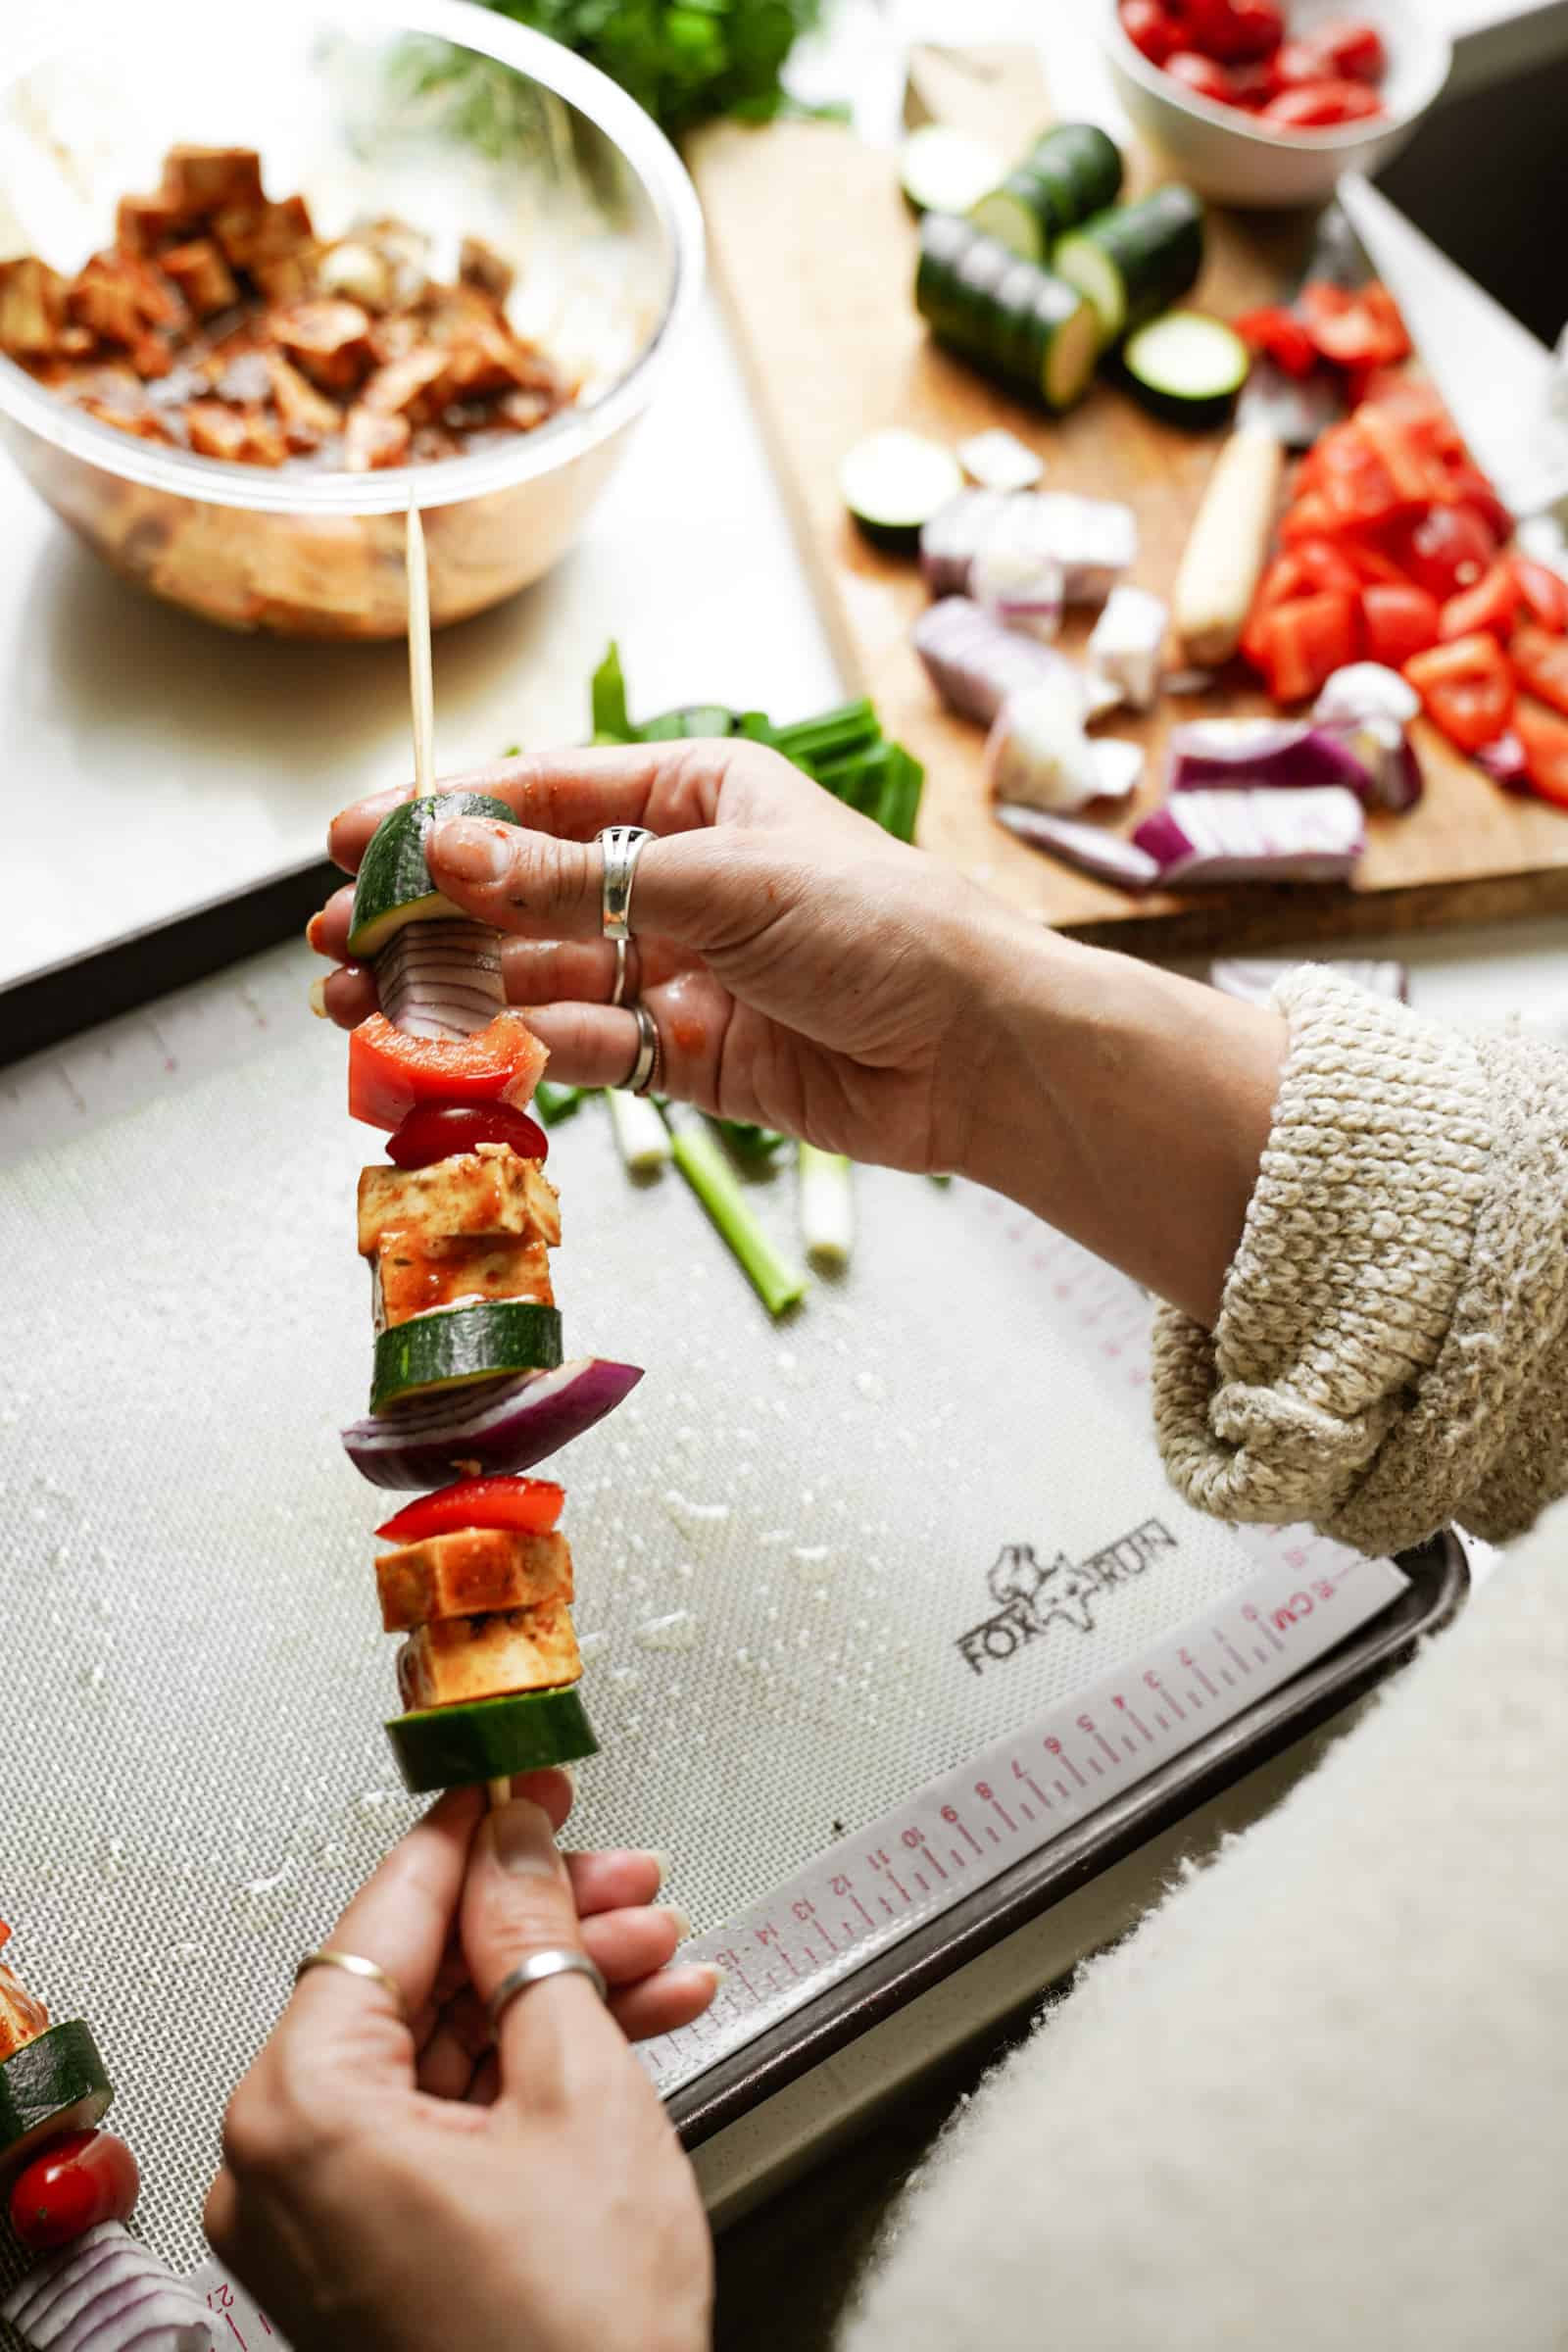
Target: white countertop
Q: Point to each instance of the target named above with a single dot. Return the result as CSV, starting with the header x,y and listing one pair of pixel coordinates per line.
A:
x,y
156,764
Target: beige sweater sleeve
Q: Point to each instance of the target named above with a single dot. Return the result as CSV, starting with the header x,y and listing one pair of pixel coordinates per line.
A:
x,y
1392,1344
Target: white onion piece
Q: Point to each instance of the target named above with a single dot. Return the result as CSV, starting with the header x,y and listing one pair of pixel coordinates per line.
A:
x,y
1126,643
1037,752
441,979
1315,835
1120,766
1108,856
1100,695
975,663
1095,540
1021,590
1367,690
1255,979
999,461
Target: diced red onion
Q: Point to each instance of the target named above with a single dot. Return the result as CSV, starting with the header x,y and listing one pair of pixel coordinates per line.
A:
x,y
1037,752
1022,591
502,1427
106,2292
1505,763
1255,979
1388,756
1108,856
1209,755
1315,835
955,535
975,663
441,979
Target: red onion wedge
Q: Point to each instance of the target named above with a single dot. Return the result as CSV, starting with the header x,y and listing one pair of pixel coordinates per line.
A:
x,y
1211,754
1108,856
1265,836
975,663
506,1426
955,536
1369,708
1022,590
1504,762
441,978
107,2293
1255,979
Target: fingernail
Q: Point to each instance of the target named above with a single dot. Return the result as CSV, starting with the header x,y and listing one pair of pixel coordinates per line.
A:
x,y
524,1846
313,929
318,998
471,848
682,1920
659,1859
718,1976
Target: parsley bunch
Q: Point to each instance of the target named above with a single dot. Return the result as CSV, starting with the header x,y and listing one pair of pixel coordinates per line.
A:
x,y
684,60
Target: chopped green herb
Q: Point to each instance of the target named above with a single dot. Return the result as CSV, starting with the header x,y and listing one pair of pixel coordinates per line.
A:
x,y
553,1104
685,61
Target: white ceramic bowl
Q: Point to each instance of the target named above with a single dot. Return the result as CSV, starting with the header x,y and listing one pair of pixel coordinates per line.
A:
x,y
1235,158
532,148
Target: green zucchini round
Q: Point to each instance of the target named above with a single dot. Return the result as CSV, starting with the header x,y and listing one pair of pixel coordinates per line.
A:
x,y
1019,215
944,170
394,887
452,1346
893,482
1084,165
1187,369
490,1738
57,2083
1135,261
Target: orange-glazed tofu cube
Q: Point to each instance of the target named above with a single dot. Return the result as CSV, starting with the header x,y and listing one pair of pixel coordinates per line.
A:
x,y
215,431
474,1571
119,297
412,1275
460,1658
32,307
202,181
372,441
489,1191
330,340
21,2017
202,274
415,385
307,416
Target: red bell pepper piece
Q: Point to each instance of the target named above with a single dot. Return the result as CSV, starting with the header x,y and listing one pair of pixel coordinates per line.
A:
x,y
1542,664
1353,477
531,1506
1464,484
1302,644
1399,621
1363,330
391,1072
1492,604
1444,550
1280,335
1543,592
1467,689
1545,737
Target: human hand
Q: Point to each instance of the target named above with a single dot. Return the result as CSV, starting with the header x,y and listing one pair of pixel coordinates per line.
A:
x,y
805,970
403,2188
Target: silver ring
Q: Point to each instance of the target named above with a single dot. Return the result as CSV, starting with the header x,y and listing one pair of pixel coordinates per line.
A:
x,y
623,846
351,1965
557,1962
649,1059
617,995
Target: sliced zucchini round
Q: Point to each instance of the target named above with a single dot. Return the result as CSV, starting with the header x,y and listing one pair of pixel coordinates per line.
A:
x,y
454,1346
394,887
1019,213
894,482
489,1739
1070,347
1084,166
56,2082
944,170
1136,259
1187,367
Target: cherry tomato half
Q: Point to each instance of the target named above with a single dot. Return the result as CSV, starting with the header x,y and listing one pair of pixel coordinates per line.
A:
x,y
1236,31
1151,28
1202,76
434,1131
1320,105
71,2185
1350,49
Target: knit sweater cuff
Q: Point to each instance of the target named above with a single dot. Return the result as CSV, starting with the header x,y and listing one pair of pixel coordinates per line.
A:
x,y
1344,1292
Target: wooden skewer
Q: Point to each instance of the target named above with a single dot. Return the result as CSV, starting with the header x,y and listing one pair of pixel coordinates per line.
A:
x,y
420,683
500,1792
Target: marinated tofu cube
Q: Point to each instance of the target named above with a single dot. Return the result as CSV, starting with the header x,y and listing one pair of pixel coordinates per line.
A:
x,y
523,411
215,431
413,386
21,2017
330,340
489,1191
202,181
358,272
373,441
152,358
413,1275
202,274
143,224
306,415
264,444
127,412
480,265
473,1571
255,235
460,1658
32,307
119,297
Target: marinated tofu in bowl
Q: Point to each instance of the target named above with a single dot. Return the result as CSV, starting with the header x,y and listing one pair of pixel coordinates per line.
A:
x,y
243,315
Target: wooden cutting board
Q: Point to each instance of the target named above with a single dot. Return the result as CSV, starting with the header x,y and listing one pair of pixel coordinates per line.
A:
x,y
815,251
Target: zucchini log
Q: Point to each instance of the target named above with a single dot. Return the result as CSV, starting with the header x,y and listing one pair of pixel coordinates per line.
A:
x,y
1069,173
1016,321
1136,261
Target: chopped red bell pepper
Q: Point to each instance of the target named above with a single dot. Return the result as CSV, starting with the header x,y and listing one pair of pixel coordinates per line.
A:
x,y
1464,484
1298,646
390,1072
1467,689
1399,620
1280,335
1545,737
434,1131
1324,564
1362,329
1543,592
530,1505
1542,664
1444,550
1492,604
1352,477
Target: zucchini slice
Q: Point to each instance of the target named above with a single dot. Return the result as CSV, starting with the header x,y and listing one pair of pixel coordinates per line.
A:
x,y
487,1739
1135,261
894,482
1187,367
1020,214
394,887
944,170
56,2082
1069,172
454,1346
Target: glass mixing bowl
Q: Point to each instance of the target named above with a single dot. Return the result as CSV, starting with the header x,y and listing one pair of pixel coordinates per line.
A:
x,y
434,112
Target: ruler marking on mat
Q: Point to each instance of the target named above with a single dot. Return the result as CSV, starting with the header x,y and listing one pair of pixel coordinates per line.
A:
x,y
1306,1606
